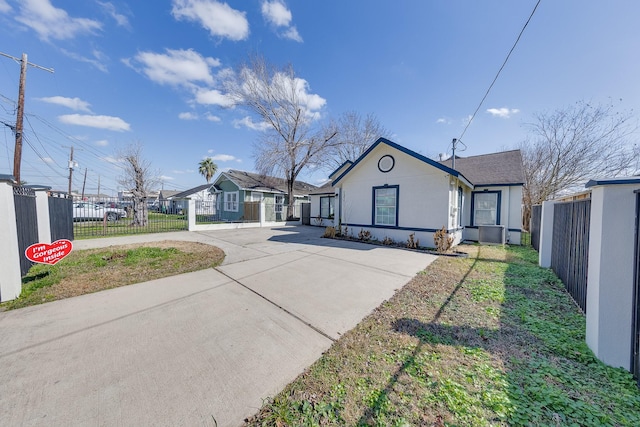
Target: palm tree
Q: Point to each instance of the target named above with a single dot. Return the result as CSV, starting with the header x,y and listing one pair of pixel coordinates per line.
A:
x,y
207,168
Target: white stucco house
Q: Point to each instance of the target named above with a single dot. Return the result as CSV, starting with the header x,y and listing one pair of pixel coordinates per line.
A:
x,y
392,192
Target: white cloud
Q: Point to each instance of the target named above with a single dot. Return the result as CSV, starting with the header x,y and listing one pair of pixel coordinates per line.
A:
x,y
248,123
292,34
188,116
112,160
166,178
223,158
73,103
175,67
4,6
276,13
53,23
120,19
97,61
213,118
444,120
100,122
48,160
219,18
213,97
503,112
179,172
102,143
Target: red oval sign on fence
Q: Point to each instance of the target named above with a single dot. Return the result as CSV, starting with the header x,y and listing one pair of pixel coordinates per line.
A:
x,y
45,253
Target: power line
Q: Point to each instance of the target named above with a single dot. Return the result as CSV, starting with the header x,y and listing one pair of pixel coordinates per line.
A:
x,y
499,71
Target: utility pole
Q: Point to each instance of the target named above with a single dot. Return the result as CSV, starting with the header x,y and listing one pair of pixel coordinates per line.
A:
x,y
71,165
453,157
98,185
17,153
84,182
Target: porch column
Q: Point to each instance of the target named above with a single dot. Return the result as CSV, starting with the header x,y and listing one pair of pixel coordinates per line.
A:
x,y
10,279
610,276
263,212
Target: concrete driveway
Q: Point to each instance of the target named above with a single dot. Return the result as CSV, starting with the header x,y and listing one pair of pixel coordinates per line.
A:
x,y
196,349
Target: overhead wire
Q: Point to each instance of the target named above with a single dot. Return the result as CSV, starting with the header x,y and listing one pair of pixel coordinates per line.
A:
x,y
500,70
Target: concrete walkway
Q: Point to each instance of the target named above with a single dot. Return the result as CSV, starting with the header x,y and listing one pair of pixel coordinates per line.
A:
x,y
199,348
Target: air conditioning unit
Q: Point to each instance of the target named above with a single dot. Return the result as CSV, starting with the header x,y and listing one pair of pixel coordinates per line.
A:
x,y
492,234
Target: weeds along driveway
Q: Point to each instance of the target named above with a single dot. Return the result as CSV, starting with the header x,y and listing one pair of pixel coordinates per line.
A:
x,y
196,349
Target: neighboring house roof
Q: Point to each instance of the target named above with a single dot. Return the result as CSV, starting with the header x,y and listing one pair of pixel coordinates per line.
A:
x,y
327,188
167,194
408,152
191,191
504,168
255,182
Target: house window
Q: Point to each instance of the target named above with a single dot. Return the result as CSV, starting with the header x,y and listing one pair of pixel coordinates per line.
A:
x,y
326,206
385,205
231,201
486,208
279,204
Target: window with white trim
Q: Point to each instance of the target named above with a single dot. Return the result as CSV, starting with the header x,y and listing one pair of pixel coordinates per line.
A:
x,y
279,204
485,208
385,205
326,206
231,201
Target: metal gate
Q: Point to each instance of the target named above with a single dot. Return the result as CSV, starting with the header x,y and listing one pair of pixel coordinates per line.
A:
x,y
306,213
534,227
636,298
24,199
60,216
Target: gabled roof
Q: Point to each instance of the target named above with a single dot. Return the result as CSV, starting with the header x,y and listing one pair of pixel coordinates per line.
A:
x,y
326,188
255,182
411,153
191,191
166,194
504,168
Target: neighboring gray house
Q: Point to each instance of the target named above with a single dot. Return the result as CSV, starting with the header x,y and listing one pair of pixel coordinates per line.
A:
x,y
239,193
392,192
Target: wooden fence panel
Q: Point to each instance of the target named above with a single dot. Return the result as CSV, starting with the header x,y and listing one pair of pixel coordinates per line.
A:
x,y
570,247
27,223
534,227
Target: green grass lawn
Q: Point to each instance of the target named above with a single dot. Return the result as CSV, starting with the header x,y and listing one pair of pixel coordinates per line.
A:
x,y
492,339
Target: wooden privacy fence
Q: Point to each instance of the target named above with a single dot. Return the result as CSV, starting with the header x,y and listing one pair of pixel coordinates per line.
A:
x,y
570,247
534,227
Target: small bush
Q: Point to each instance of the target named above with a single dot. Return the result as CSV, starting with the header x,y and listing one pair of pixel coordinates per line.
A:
x,y
442,240
364,235
329,232
412,242
387,241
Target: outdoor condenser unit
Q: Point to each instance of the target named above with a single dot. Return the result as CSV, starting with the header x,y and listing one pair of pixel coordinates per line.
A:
x,y
493,234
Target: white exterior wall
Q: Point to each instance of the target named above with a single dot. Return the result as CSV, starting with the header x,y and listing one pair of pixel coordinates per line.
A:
x,y
510,212
10,279
423,200
610,278
315,210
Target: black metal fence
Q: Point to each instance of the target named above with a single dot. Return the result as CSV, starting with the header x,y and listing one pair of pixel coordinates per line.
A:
x,y
24,199
570,247
60,216
534,227
112,217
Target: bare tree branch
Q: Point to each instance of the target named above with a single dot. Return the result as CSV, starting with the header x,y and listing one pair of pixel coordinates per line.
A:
x,y
138,178
569,146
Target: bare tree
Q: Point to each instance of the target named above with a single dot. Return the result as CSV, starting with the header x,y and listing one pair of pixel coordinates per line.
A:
x,y
571,145
138,178
293,139
355,135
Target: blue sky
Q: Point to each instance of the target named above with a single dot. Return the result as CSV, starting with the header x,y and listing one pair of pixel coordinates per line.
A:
x,y
128,71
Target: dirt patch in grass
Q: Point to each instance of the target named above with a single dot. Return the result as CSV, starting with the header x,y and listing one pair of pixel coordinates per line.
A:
x,y
491,339
93,270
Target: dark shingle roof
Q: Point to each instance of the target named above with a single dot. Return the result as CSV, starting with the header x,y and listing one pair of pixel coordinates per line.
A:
x,y
254,181
487,169
327,188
